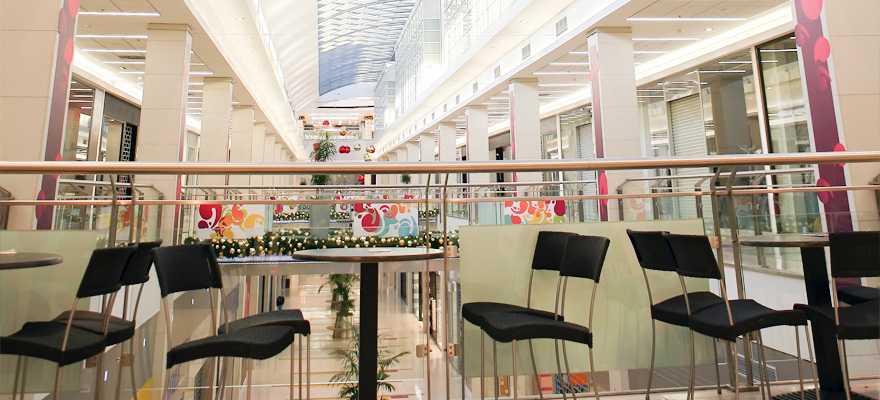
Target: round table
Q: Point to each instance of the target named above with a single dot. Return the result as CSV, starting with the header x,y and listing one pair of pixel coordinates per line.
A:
x,y
369,258
818,294
22,260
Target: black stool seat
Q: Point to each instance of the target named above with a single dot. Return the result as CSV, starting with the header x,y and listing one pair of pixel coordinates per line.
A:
x,y
44,340
674,309
476,312
257,343
118,329
857,294
508,326
292,319
748,316
857,322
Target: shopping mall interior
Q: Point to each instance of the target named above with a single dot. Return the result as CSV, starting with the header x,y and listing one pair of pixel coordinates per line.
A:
x,y
416,199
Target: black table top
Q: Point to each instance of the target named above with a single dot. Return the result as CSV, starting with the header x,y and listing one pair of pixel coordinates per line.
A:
x,y
786,240
21,260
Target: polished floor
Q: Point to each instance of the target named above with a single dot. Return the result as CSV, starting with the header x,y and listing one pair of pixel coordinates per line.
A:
x,y
400,332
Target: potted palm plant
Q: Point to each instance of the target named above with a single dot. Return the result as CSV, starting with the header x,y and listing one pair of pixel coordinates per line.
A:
x,y
341,301
348,388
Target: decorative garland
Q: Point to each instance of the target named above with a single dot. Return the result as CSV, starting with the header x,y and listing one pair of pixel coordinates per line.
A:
x,y
287,242
305,215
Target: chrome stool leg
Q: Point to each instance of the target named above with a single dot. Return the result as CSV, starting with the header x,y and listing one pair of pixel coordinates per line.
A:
x,y
308,367
293,371
653,352
495,366
693,370
134,385
593,382
482,368
56,389
24,366
717,371
765,375
15,381
300,355
559,370
250,379
797,344
513,368
534,370
812,361
841,346
732,362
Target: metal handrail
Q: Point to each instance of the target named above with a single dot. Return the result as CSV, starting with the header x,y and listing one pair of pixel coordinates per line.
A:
x,y
705,176
183,168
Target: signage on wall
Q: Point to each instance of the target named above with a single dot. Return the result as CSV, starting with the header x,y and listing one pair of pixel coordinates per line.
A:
x,y
384,220
234,221
534,212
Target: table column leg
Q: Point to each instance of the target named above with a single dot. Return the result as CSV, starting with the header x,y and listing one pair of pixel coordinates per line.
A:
x,y
368,331
819,294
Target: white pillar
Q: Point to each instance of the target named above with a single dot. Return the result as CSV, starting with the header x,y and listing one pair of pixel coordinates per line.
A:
x,y
426,147
277,159
216,116
412,155
241,140
163,110
477,121
446,146
615,107
269,155
33,96
257,148
525,125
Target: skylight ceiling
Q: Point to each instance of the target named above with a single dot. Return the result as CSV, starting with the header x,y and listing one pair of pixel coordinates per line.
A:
x,y
356,38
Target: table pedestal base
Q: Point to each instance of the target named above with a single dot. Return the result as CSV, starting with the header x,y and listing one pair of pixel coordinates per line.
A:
x,y
369,331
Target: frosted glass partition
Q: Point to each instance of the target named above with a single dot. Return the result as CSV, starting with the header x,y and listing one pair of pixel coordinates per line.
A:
x,y
495,265
42,293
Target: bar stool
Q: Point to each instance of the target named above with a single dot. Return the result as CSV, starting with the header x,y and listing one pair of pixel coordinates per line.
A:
x,y
194,267
853,255
292,319
119,329
584,258
60,341
731,318
653,253
547,256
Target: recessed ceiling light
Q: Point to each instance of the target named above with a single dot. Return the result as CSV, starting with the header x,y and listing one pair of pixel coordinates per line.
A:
x,y
562,84
664,39
80,90
201,73
114,51
131,72
685,19
559,73
735,62
729,71
579,53
121,13
111,36
649,52
125,62
569,64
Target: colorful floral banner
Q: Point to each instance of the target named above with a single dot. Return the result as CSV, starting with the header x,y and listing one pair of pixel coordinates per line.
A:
x,y
230,221
384,220
534,212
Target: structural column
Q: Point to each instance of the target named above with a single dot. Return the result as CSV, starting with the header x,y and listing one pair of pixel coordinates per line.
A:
x,y
525,125
838,44
216,117
241,140
268,155
37,43
446,147
163,110
615,107
277,159
257,145
412,155
477,121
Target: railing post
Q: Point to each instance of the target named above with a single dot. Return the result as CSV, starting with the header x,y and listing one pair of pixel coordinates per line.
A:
x,y
698,199
620,205
114,208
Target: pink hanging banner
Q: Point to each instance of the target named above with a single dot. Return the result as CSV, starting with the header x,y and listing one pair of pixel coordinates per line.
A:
x,y
815,50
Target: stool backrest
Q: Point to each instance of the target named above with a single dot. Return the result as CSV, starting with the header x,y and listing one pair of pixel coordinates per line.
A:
x,y
652,250
855,254
550,249
693,256
103,273
584,257
138,269
187,267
